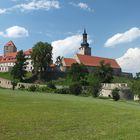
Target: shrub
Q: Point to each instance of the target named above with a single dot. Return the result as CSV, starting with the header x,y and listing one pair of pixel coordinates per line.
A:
x,y
45,89
115,94
75,89
51,85
62,91
14,84
84,82
22,87
95,87
32,88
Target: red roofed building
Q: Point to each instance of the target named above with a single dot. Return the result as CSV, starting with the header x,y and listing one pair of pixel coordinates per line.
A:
x,y
84,57
66,63
7,61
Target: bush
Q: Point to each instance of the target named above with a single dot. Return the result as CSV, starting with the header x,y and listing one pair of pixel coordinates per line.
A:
x,y
45,89
115,94
51,85
75,89
84,82
22,87
32,88
14,84
95,87
62,91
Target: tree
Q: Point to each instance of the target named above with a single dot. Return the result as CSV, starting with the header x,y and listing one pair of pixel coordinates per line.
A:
x,y
135,87
104,72
95,87
58,61
14,84
18,71
42,57
115,94
78,71
137,75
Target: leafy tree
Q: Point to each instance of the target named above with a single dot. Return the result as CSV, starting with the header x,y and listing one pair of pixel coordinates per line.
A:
x,y
58,61
18,71
95,86
137,75
78,71
14,84
135,87
104,72
115,94
42,57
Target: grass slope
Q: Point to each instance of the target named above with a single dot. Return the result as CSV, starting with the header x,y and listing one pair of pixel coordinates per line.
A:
x,y
6,75
36,116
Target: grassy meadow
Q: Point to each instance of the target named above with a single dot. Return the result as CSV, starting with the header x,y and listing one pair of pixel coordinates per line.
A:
x,y
36,116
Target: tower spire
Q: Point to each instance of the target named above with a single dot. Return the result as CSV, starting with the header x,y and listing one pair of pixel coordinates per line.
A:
x,y
85,31
85,49
85,43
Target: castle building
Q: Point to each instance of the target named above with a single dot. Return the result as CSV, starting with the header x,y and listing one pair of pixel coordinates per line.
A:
x,y
9,48
91,62
8,60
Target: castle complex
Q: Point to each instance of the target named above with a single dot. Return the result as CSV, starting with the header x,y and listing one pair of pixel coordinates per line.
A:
x,y
84,57
7,61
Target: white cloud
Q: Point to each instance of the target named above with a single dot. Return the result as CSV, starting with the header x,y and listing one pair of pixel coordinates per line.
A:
x,y
33,5
2,11
125,37
67,47
83,6
130,61
39,4
15,32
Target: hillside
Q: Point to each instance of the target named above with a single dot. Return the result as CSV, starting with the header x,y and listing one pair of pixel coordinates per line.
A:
x,y
34,116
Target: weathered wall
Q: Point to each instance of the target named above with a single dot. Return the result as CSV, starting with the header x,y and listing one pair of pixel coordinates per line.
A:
x,y
123,87
7,84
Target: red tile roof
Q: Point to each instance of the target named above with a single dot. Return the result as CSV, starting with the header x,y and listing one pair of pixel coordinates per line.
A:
x,y
11,57
9,44
28,52
7,61
94,61
69,61
11,54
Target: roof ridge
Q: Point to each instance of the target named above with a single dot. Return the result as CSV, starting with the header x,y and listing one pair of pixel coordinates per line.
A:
x,y
97,56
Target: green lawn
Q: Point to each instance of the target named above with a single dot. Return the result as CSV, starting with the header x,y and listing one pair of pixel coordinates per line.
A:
x,y
36,116
6,75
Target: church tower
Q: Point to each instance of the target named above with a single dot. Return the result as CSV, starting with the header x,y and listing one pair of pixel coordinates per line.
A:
x,y
85,49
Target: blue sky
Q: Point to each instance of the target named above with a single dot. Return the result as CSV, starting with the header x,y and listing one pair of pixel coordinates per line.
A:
x,y
113,27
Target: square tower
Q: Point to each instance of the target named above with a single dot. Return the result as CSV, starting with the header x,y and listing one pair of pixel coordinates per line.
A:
x,y
9,48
